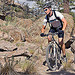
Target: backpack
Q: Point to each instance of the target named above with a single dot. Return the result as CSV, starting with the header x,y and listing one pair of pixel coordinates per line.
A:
x,y
60,26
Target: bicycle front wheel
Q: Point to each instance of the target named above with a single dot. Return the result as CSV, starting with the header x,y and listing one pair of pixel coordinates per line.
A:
x,y
51,57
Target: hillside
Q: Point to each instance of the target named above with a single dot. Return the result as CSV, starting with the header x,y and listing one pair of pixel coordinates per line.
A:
x,y
21,39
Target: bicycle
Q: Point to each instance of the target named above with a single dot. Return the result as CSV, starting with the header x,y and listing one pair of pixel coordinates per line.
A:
x,y
53,53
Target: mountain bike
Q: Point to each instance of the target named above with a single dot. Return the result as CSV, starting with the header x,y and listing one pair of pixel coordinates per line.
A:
x,y
53,53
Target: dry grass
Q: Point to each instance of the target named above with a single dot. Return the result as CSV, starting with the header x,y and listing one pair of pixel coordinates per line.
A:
x,y
68,65
19,44
31,51
8,68
28,67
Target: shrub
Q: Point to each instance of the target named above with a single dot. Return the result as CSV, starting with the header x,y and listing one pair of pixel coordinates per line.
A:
x,y
8,68
28,67
8,18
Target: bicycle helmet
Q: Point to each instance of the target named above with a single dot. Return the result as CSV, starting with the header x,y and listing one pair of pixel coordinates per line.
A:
x,y
47,5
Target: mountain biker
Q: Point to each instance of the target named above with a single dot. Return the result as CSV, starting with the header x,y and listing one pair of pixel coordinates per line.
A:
x,y
58,24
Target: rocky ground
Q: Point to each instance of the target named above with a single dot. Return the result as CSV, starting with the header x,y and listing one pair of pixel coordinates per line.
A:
x,y
21,39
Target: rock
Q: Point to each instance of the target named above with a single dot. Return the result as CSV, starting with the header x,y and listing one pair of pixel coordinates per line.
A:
x,y
17,35
73,47
5,36
26,23
38,51
1,34
5,45
2,22
70,25
69,43
12,33
20,52
0,67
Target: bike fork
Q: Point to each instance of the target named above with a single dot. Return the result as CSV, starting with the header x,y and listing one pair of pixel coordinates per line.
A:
x,y
60,57
55,55
54,48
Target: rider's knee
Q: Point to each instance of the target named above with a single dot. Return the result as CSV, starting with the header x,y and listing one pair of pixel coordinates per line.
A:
x,y
49,38
60,42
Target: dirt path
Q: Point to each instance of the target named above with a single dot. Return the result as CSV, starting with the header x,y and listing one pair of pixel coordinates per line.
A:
x,y
42,70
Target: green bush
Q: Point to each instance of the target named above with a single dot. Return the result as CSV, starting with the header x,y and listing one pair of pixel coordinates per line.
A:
x,y
8,18
17,9
28,67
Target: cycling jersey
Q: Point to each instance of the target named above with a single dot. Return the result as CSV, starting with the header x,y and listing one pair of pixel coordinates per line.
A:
x,y
54,19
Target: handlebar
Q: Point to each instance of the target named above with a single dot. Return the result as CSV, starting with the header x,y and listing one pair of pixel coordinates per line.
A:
x,y
56,33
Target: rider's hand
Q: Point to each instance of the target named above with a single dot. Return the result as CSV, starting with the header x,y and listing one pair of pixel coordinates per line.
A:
x,y
42,34
61,31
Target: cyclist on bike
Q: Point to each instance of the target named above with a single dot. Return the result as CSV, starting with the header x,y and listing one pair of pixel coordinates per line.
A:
x,y
58,24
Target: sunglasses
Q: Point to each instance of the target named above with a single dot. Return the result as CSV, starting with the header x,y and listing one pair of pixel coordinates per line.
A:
x,y
45,10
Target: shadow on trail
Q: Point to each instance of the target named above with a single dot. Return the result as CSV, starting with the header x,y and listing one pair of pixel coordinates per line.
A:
x,y
60,73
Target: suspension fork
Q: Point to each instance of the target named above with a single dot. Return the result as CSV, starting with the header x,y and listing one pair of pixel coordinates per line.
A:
x,y
54,48
58,50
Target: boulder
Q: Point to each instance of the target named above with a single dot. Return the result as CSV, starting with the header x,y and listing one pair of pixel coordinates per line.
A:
x,y
12,33
1,34
73,47
21,51
70,25
16,35
7,46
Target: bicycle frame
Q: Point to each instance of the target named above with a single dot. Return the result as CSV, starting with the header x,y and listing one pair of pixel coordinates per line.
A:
x,y
53,53
55,43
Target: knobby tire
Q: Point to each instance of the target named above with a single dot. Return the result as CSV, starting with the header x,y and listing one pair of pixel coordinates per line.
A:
x,y
50,59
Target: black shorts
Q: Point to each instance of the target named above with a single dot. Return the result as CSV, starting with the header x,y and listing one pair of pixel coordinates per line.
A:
x,y
60,32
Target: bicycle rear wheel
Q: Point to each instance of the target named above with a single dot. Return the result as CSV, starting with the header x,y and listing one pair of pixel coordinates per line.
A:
x,y
51,59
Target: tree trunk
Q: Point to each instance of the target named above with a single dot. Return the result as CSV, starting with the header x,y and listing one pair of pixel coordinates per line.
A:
x,y
66,6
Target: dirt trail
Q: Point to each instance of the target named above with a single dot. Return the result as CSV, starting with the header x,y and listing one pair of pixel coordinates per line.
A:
x,y
43,70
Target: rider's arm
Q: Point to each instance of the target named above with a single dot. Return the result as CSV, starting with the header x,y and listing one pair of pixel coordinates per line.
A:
x,y
64,23
58,14
44,25
43,29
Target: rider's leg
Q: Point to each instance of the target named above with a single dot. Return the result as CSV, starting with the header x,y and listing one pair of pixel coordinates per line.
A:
x,y
63,49
62,45
49,38
61,39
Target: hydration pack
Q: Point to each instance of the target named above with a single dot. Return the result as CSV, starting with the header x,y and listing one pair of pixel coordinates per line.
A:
x,y
54,23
